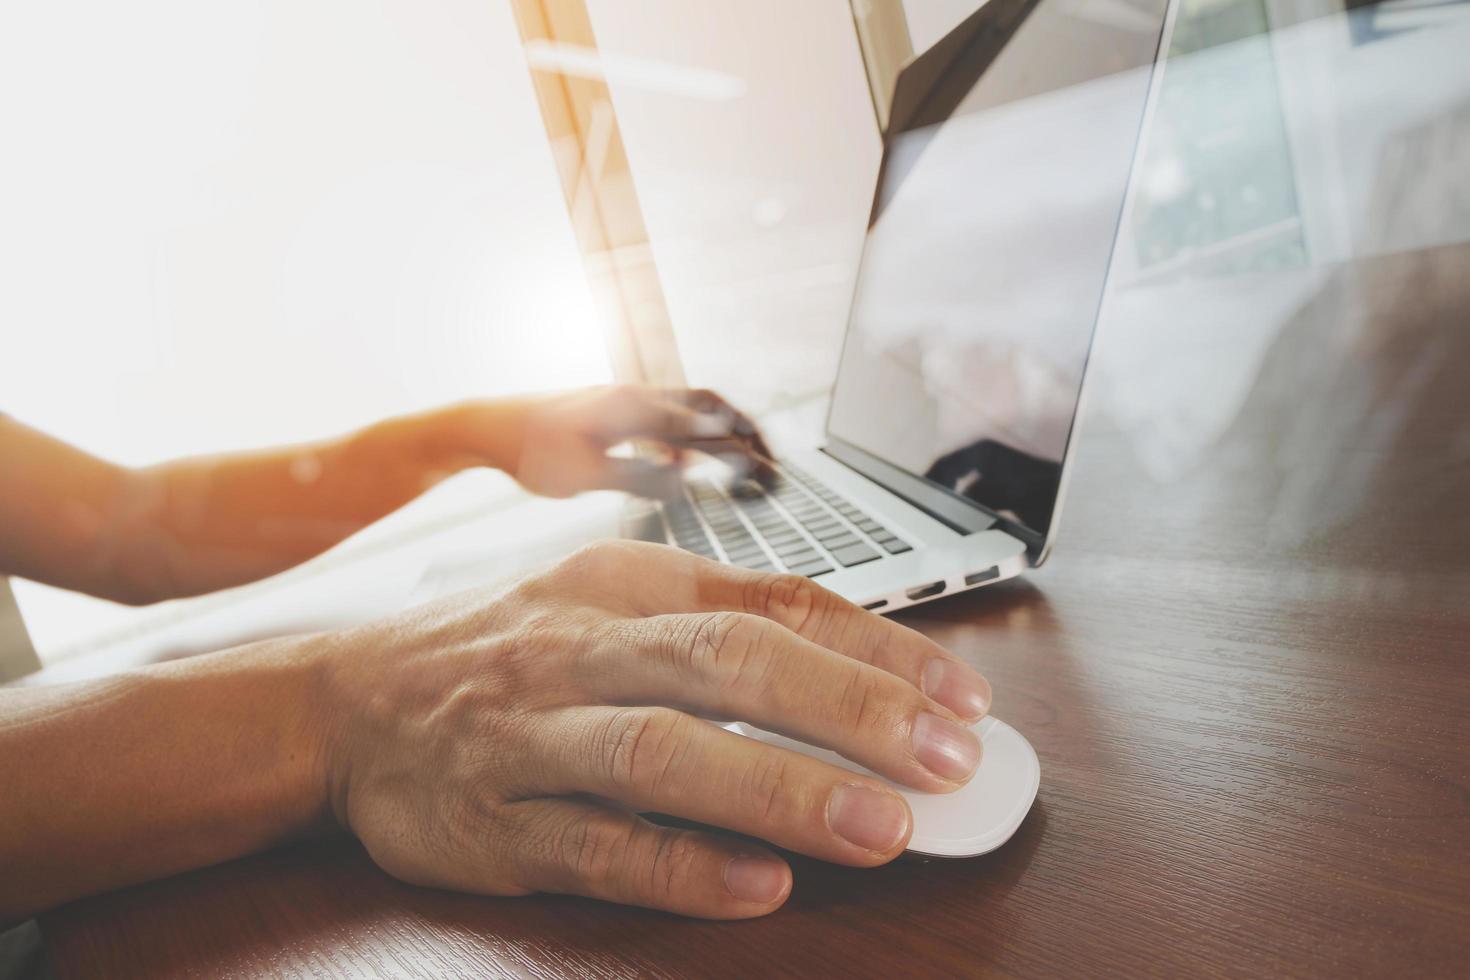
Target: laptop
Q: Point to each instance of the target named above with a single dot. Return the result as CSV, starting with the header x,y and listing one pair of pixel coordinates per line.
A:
x,y
949,437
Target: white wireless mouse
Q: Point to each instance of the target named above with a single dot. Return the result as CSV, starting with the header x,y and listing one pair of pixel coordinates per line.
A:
x,y
974,819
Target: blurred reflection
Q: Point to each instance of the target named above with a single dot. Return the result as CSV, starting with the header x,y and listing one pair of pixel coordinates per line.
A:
x,y
1217,189
1277,159
1282,145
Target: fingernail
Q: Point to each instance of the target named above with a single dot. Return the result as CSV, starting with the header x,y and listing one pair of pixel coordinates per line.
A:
x,y
945,749
957,687
869,818
758,880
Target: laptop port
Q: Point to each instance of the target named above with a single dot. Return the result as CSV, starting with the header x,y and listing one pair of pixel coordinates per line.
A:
x,y
872,606
975,578
926,591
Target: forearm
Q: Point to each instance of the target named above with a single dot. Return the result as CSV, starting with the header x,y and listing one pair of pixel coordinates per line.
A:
x,y
233,519
196,525
152,773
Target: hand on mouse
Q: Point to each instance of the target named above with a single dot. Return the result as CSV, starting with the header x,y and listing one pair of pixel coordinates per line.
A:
x,y
503,744
558,445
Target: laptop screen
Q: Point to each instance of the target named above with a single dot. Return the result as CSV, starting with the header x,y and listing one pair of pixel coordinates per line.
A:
x,y
1004,174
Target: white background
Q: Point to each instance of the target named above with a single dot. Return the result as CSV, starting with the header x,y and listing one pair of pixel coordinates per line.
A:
x,y
235,225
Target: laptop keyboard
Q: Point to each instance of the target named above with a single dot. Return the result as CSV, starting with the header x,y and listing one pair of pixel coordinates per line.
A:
x,y
799,526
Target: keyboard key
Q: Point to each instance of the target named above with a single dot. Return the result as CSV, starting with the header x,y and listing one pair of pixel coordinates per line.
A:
x,y
742,522
834,541
812,568
854,554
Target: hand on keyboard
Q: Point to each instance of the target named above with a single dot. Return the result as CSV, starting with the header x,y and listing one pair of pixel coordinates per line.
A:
x,y
560,445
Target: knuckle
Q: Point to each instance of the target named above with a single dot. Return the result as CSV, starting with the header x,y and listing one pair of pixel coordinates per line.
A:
x,y
535,637
674,858
594,562
541,655
500,872
725,644
766,787
864,702
639,747
790,599
591,846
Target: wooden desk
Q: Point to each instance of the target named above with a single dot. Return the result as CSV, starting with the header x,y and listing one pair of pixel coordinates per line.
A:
x,y
1244,671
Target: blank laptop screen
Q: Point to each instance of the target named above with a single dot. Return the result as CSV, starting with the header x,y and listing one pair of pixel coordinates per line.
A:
x,y
1004,176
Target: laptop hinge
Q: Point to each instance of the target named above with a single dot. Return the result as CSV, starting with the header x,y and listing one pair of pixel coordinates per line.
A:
x,y
959,514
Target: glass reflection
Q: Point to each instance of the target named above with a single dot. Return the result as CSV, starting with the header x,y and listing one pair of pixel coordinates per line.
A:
x,y
1288,139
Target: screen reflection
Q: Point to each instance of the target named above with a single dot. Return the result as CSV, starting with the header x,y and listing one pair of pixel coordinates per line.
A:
x,y
986,256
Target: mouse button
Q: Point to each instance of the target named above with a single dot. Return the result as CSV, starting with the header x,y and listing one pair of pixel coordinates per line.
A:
x,y
984,813
954,823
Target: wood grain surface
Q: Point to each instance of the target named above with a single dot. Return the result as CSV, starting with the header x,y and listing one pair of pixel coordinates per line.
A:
x,y
1244,671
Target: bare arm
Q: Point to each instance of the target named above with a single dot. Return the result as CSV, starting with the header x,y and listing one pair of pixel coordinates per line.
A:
x,y
72,520
142,775
196,525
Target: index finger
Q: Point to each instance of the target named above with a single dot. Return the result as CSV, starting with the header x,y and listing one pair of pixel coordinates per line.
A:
x,y
742,427
656,579
690,419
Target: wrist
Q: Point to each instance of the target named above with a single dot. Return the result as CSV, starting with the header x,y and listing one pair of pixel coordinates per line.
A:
x,y
271,704
336,669
289,677
480,433
169,768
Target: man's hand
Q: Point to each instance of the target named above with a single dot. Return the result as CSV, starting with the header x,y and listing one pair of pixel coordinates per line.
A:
x,y
505,744
558,445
